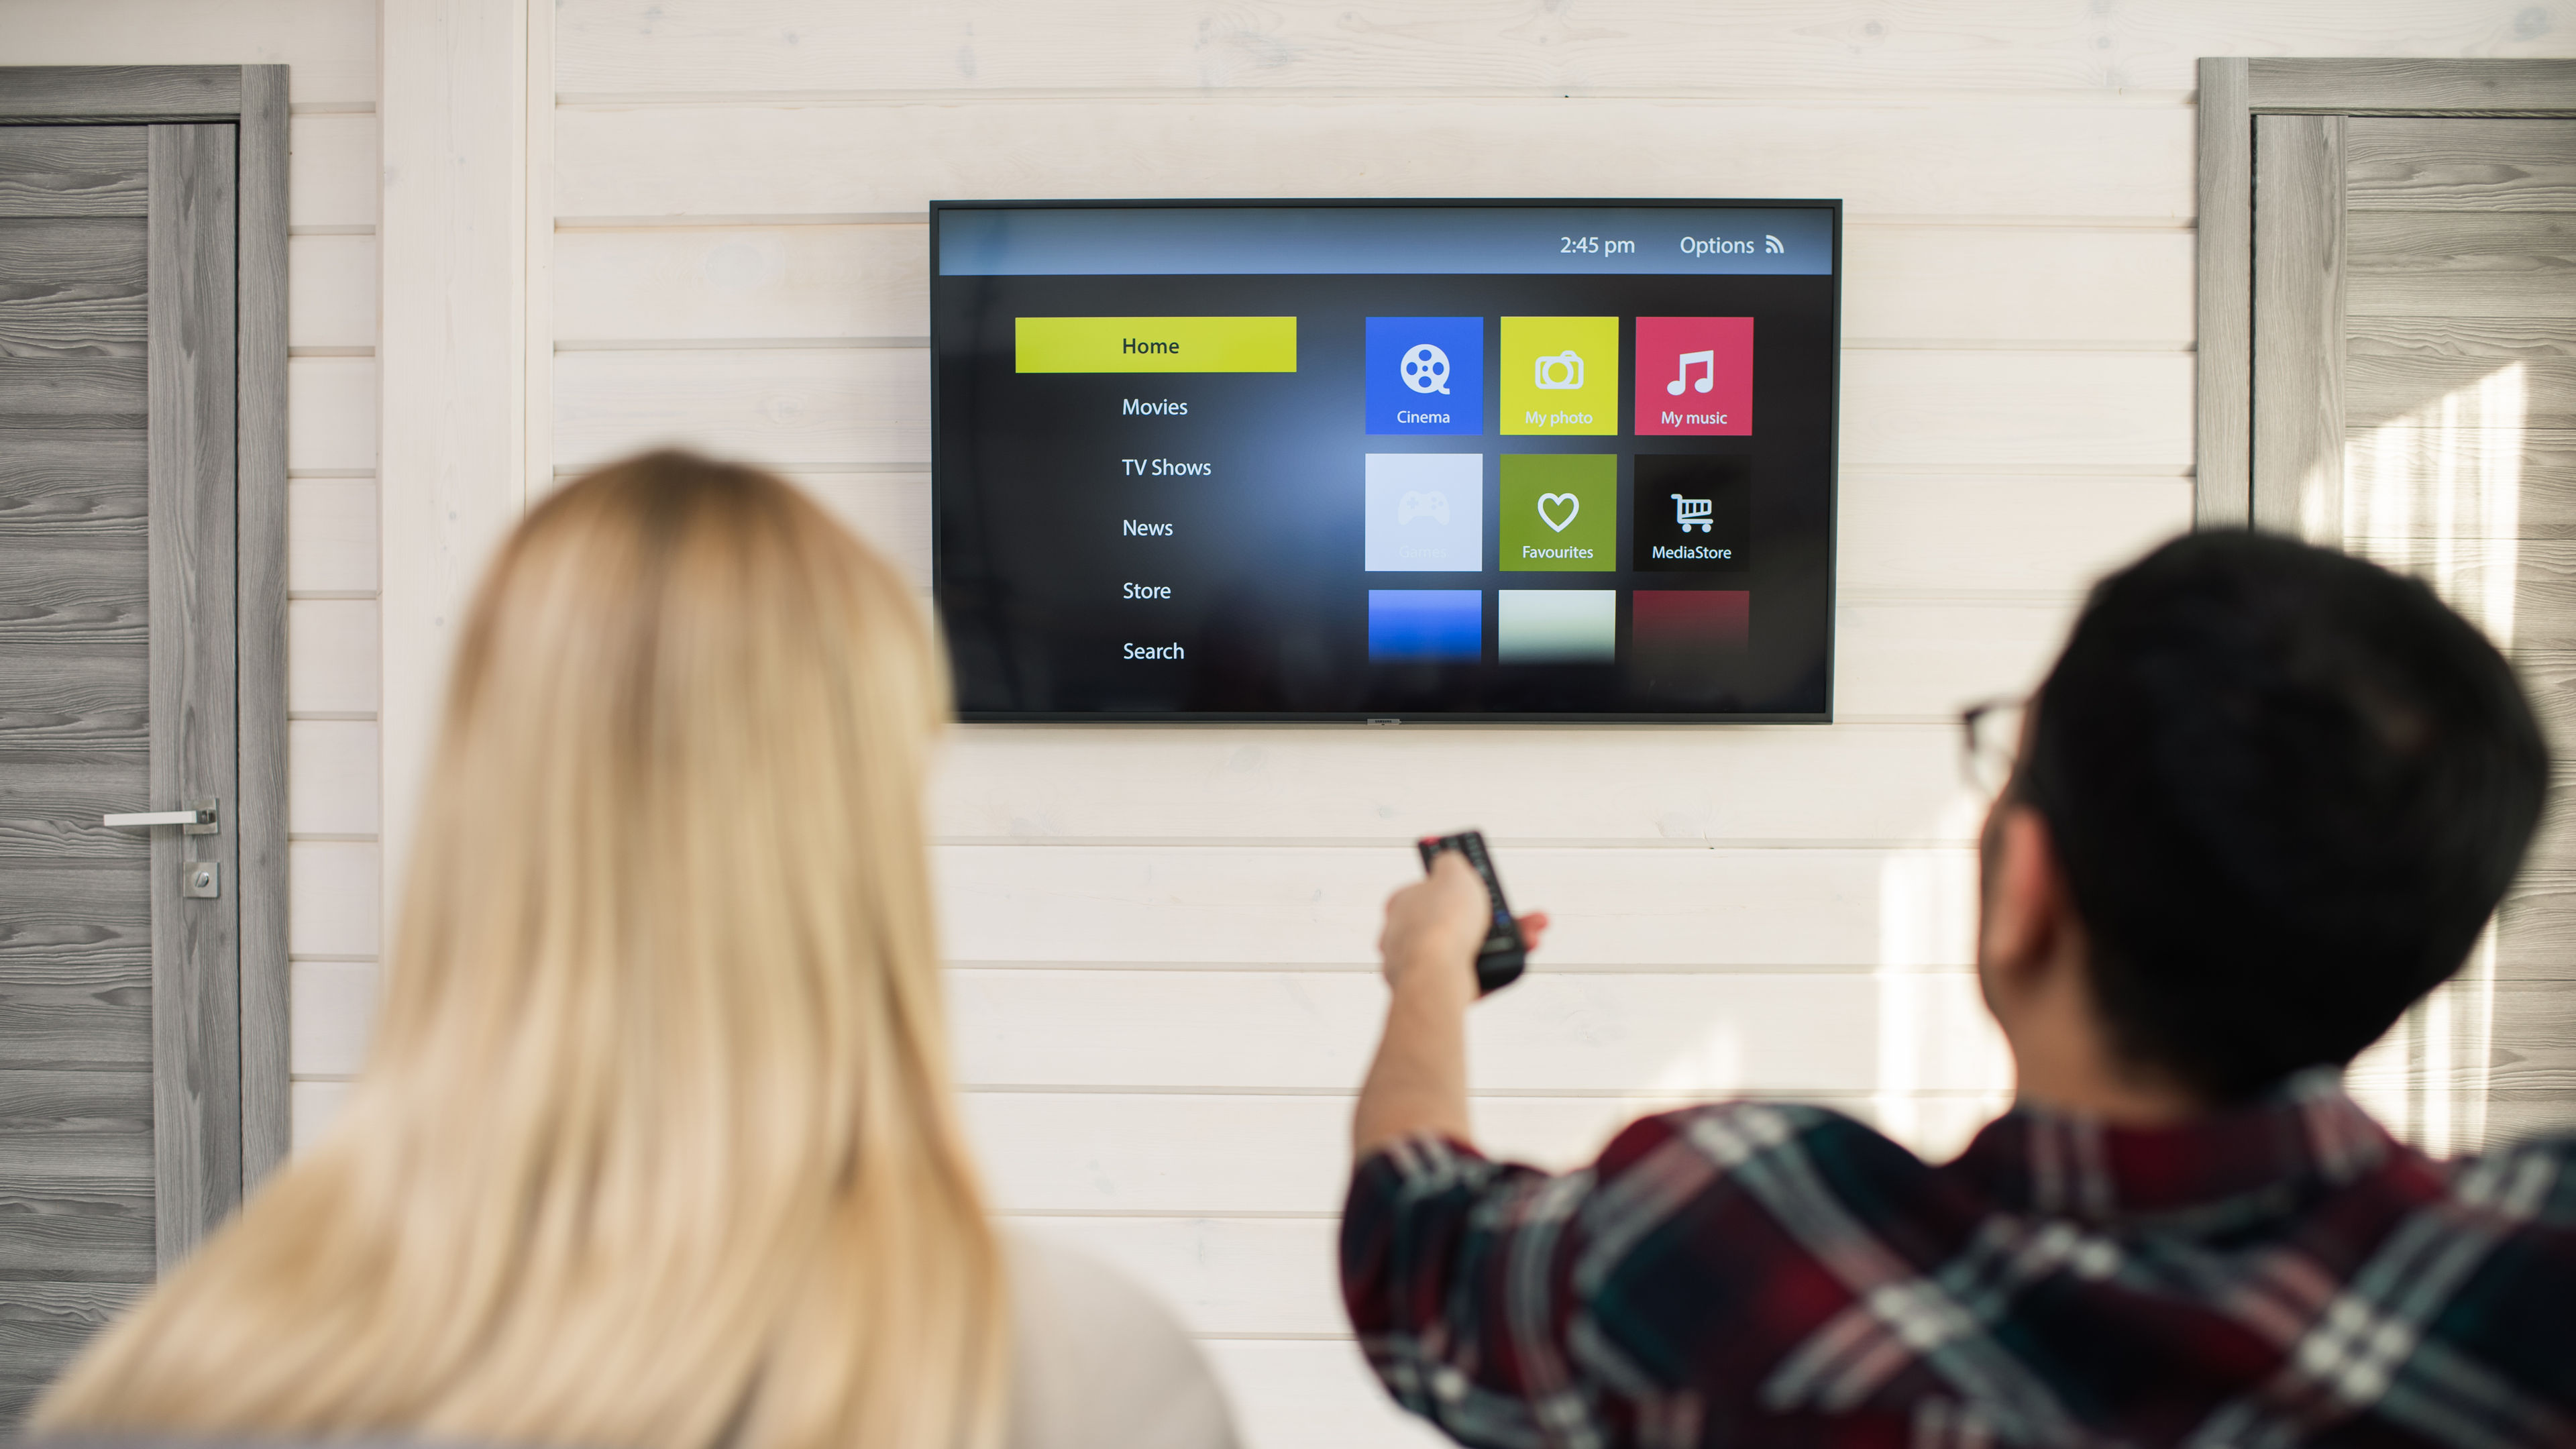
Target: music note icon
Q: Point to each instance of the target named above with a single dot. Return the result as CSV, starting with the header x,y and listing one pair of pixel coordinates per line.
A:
x,y
1708,378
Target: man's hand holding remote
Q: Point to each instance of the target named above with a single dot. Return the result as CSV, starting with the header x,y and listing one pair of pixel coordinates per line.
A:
x,y
1419,1081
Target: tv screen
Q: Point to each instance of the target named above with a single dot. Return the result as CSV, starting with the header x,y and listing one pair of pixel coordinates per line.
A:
x,y
1404,461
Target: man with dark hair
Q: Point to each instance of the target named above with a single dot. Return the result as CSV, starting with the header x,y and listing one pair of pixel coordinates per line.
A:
x,y
2266,799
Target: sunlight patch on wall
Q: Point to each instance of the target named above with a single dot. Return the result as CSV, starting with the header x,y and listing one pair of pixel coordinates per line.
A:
x,y
1943,1068
2438,494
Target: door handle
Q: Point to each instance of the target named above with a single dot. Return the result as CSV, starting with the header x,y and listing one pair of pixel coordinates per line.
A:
x,y
204,818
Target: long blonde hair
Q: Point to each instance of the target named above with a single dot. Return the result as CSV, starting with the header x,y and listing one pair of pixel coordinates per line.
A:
x,y
656,1145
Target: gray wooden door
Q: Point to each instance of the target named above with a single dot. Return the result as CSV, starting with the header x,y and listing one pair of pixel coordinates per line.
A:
x,y
2414,401
119,1030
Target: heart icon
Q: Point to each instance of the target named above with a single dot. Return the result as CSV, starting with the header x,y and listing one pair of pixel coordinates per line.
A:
x,y
1573,506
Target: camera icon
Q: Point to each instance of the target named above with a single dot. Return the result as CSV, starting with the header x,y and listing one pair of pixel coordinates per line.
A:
x,y
1560,373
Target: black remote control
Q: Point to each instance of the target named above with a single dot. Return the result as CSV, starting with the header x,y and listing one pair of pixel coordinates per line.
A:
x,y
1500,959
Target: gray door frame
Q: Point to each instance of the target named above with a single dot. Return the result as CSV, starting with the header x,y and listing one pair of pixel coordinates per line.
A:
x,y
2254,450
209,1141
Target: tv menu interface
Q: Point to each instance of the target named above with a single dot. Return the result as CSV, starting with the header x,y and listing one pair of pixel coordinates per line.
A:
x,y
1401,461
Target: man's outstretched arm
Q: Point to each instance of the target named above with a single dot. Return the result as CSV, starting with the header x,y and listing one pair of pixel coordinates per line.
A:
x,y
1418,1083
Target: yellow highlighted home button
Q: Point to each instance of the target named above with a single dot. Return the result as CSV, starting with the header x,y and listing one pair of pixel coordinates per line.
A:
x,y
1157,344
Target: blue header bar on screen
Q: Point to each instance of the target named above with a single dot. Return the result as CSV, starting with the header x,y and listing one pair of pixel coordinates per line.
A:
x,y
1253,240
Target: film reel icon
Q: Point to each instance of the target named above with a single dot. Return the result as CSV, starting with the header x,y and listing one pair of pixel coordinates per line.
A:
x,y
1425,368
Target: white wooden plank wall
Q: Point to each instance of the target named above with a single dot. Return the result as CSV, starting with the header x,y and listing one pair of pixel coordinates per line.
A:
x,y
332,641
1163,986
1163,991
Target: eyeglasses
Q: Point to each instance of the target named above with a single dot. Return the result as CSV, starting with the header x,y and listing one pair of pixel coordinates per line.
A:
x,y
1990,743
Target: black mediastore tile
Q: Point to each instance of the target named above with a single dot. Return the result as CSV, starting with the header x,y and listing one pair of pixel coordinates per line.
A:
x,y
1691,513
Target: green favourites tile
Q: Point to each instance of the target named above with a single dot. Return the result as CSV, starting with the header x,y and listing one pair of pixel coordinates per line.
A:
x,y
1560,512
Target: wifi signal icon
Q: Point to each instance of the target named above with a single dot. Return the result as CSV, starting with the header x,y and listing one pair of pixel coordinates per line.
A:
x,y
1771,245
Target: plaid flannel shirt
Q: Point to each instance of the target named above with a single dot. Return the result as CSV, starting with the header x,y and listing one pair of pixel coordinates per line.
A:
x,y
2281,1274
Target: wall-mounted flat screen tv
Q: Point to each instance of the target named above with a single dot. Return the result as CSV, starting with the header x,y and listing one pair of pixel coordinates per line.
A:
x,y
1368,461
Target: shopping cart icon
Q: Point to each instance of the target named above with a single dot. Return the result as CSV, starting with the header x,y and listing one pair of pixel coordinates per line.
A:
x,y
1692,513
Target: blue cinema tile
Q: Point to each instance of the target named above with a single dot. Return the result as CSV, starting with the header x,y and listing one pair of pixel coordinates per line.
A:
x,y
1426,375
1426,624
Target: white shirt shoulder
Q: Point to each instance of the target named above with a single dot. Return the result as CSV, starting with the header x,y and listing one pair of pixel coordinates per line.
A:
x,y
1099,1362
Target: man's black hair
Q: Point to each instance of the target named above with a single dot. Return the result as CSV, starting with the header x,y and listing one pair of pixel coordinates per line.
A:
x,y
2288,788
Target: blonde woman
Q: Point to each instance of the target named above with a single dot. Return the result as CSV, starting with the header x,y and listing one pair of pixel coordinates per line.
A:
x,y
657,1147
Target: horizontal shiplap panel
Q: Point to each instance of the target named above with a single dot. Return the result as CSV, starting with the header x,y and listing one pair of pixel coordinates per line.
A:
x,y
781,408
2461,335
331,777
331,414
2520,1117
1220,1275
2016,411
334,889
1641,786
2540,391
331,535
1667,1032
2416,477
74,286
890,510
2011,411
328,46
2423,163
1256,905
81,394
51,801
331,170
1291,1394
1137,1153
1955,160
331,291
76,1202
332,1014
721,283
2532,1026
2528,583
311,1109
59,1100
2517,265
2036,284
2006,532
1482,46
1312,1394
736,282
59,171
2536,929
1098,1152
44,1325
89,701
332,649
2548,674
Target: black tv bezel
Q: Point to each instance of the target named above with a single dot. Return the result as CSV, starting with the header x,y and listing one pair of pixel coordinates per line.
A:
x,y
1833,206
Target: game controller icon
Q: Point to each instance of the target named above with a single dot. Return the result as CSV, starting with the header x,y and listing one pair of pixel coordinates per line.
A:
x,y
1425,368
1422,505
